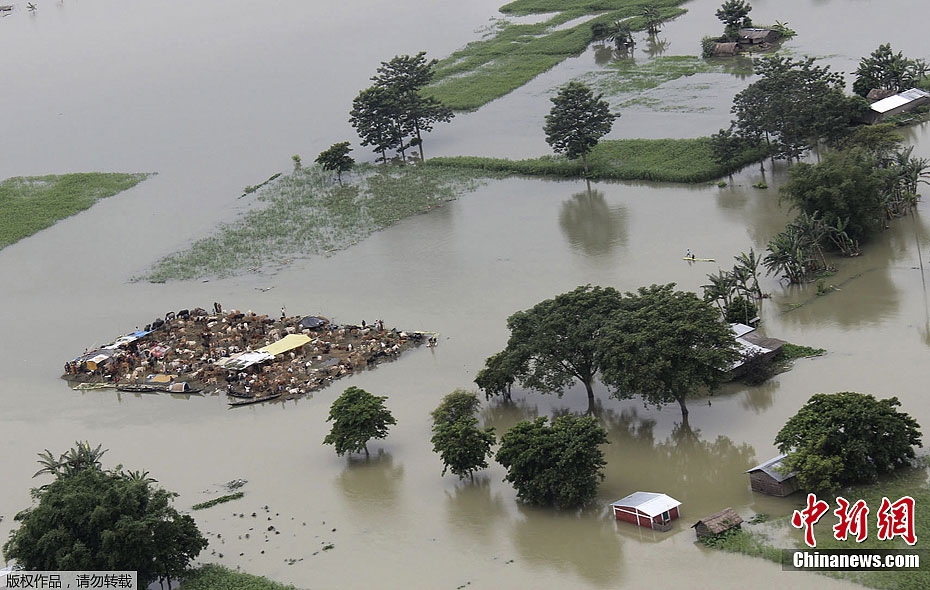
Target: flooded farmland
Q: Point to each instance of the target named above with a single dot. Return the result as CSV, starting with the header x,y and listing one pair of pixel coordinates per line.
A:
x,y
214,96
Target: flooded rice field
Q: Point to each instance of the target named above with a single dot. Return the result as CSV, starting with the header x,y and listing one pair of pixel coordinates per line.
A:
x,y
216,96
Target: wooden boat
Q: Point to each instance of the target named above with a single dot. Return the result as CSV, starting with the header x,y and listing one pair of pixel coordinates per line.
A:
x,y
689,259
255,400
89,386
239,395
138,388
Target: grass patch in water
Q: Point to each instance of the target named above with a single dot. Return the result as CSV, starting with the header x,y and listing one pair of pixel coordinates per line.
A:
x,y
220,500
306,213
789,352
630,76
510,55
216,577
29,204
662,160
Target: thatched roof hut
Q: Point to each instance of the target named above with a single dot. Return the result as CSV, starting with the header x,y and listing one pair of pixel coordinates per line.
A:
x,y
725,49
719,522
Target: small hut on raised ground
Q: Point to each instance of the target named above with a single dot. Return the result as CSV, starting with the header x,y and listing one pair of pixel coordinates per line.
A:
x,y
725,49
758,37
768,478
717,523
647,509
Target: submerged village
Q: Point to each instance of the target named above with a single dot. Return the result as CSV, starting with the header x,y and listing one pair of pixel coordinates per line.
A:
x,y
675,254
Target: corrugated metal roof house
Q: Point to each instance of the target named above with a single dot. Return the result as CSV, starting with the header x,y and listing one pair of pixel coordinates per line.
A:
x,y
902,102
758,36
647,509
752,344
768,478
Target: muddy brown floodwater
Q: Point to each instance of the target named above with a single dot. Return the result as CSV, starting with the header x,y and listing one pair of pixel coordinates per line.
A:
x,y
217,95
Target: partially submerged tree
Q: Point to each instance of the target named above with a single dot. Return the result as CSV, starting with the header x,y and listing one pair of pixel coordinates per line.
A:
x,y
884,69
94,520
577,121
554,343
373,115
336,159
846,438
734,14
463,447
652,18
667,346
557,465
357,417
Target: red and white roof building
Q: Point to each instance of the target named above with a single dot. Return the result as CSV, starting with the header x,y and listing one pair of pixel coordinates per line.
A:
x,y
647,509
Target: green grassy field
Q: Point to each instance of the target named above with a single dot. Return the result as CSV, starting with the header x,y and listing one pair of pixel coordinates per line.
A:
x,y
661,160
32,203
217,577
509,55
308,213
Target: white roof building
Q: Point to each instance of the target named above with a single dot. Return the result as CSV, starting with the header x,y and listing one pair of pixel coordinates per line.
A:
x,y
649,503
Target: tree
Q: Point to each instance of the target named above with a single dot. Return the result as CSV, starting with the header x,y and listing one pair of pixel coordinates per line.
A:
x,y
793,106
886,70
577,121
78,458
553,343
96,520
357,417
845,438
554,465
404,77
845,185
336,159
652,19
462,446
734,14
665,346
374,117
621,35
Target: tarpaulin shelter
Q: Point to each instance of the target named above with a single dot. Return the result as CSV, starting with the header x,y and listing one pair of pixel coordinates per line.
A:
x,y
127,339
289,342
160,378
312,322
244,360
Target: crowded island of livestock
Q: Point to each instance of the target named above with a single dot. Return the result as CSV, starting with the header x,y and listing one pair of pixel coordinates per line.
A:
x,y
251,358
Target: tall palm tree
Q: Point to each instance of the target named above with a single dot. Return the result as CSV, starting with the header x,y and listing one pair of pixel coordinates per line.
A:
x,y
750,263
621,35
652,18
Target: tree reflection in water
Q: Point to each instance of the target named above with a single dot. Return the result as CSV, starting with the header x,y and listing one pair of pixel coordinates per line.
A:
x,y
371,483
591,225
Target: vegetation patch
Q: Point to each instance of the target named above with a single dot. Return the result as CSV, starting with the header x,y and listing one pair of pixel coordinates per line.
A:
x,y
220,500
789,352
662,160
32,203
630,76
307,212
214,577
510,55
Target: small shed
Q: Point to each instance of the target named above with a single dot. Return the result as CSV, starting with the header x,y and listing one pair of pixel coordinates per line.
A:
x,y
752,344
899,103
717,523
647,509
768,478
758,36
725,49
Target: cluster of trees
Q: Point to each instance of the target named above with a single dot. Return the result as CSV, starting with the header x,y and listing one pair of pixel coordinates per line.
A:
x,y
736,291
660,344
884,69
844,200
393,113
577,121
846,438
93,519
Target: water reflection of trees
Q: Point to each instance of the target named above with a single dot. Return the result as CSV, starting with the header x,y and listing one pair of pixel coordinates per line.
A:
x,y
759,398
583,544
371,483
709,473
471,507
591,225
502,415
655,46
605,54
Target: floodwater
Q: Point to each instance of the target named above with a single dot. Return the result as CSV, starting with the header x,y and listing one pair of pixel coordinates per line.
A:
x,y
214,96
